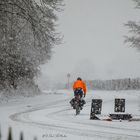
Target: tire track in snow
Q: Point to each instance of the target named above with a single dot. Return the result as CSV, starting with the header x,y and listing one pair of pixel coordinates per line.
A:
x,y
71,130
24,117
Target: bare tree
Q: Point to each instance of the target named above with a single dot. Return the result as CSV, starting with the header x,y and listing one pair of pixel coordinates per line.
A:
x,y
27,35
134,29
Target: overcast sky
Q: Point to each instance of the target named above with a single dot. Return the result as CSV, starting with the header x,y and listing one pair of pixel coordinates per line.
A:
x,y
93,45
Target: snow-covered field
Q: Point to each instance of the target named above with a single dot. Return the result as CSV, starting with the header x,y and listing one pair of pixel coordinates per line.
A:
x,y
49,116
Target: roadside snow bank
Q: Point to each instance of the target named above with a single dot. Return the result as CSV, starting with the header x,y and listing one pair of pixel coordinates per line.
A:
x,y
10,94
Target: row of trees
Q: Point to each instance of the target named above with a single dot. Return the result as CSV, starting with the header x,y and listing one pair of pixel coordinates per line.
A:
x,y
27,35
116,84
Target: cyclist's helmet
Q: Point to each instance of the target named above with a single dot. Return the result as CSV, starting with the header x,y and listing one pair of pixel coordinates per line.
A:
x,y
79,78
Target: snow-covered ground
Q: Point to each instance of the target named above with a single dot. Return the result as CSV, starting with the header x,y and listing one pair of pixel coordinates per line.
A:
x,y
49,116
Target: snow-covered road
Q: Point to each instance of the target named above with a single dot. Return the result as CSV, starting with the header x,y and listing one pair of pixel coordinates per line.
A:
x,y
50,116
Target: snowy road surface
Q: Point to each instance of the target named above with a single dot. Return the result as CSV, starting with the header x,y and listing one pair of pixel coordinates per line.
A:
x,y
49,116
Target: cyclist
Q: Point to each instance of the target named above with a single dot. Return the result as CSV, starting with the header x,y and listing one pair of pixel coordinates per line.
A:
x,y
79,87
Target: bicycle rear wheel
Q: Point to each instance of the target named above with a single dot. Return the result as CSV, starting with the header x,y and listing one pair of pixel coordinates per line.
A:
x,y
77,108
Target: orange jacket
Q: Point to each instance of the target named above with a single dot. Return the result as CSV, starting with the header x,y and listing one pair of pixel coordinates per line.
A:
x,y
80,84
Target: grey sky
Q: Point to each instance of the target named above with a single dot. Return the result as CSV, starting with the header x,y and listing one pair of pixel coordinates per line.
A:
x,y
93,41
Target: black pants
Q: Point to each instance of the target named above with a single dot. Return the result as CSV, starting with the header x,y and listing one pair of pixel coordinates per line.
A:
x,y
78,91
